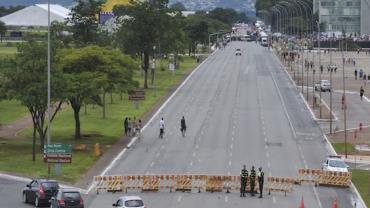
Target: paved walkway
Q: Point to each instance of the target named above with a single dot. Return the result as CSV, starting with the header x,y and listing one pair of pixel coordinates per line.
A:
x,y
11,131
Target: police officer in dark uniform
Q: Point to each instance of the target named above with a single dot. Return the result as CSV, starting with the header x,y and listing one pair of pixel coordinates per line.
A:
x,y
260,178
252,180
243,180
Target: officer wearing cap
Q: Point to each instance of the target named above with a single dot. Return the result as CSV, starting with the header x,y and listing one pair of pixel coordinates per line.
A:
x,y
252,180
260,178
243,180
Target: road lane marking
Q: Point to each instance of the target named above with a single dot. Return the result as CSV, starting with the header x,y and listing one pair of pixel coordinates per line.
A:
x,y
229,163
150,122
231,146
191,163
152,164
274,199
268,164
231,154
179,199
267,154
226,199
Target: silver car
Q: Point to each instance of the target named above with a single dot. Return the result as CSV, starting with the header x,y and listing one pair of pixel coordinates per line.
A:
x,y
129,201
323,85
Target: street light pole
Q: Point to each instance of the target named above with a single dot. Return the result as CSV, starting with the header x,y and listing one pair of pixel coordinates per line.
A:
x,y
344,101
48,88
319,45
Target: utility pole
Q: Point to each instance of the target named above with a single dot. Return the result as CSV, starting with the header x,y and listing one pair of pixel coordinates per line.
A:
x,y
331,90
344,98
49,93
319,45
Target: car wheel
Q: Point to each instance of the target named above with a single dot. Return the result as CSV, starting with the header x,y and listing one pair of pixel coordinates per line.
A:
x,y
24,198
37,203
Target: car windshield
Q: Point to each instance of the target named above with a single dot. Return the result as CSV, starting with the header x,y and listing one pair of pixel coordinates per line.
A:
x,y
134,203
50,184
71,195
238,49
337,164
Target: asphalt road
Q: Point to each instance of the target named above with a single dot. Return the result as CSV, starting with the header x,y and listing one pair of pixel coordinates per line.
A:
x,y
239,110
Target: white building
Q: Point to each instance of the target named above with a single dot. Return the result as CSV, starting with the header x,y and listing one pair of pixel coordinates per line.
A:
x,y
36,16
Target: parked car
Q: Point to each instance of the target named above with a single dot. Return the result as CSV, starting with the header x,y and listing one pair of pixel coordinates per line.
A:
x,y
129,201
39,191
238,52
335,163
67,198
323,85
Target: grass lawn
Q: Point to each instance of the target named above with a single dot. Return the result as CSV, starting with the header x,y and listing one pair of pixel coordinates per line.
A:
x,y
340,148
7,51
93,128
16,156
11,110
361,179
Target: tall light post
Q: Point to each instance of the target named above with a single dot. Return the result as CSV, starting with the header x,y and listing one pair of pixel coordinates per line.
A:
x,y
48,88
344,99
319,45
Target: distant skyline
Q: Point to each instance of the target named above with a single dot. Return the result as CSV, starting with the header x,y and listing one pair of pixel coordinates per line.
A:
x,y
240,5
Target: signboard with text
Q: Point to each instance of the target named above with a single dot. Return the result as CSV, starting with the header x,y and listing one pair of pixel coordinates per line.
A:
x,y
58,153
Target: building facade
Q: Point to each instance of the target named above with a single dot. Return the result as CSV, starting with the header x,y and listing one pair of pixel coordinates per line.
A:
x,y
365,17
340,15
351,16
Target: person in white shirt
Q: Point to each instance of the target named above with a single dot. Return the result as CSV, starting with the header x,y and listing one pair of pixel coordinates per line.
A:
x,y
161,128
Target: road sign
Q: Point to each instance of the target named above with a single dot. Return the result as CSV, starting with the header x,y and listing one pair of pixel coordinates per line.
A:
x,y
58,148
58,153
136,95
58,158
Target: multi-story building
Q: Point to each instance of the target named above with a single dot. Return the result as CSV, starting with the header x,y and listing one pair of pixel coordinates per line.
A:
x,y
351,16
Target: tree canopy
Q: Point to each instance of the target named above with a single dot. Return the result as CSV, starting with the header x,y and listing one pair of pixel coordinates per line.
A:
x,y
91,71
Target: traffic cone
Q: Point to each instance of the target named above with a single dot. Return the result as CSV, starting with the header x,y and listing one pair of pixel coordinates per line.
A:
x,y
335,204
302,203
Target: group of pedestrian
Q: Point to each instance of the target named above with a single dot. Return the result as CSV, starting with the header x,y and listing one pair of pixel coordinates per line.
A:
x,y
132,126
309,64
252,181
182,127
349,61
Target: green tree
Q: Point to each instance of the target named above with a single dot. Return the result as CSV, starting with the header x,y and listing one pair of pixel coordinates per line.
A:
x,y
84,21
143,28
91,71
26,81
2,30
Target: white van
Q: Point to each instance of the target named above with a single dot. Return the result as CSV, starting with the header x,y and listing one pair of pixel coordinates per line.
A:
x,y
264,41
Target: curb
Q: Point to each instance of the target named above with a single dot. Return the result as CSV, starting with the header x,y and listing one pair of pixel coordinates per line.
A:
x,y
331,148
134,139
302,96
27,180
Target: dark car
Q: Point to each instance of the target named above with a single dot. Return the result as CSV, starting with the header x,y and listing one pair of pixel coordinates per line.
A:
x,y
67,198
39,191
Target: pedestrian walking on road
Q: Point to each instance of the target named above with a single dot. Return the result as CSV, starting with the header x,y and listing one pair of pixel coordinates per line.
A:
x,y
125,125
260,178
355,74
129,126
161,128
321,69
183,126
362,91
243,180
252,180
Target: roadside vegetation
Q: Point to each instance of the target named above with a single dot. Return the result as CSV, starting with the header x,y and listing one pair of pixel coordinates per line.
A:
x,y
361,180
93,70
